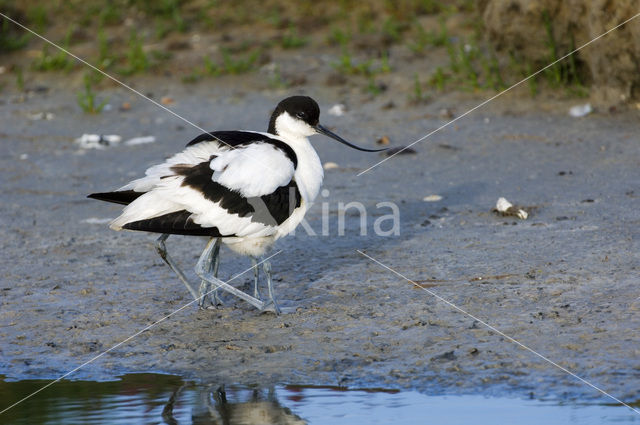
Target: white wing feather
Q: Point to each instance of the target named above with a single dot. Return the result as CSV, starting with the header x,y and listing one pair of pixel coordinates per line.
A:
x,y
255,170
192,155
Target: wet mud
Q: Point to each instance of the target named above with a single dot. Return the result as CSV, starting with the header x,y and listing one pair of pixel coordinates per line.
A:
x,y
563,282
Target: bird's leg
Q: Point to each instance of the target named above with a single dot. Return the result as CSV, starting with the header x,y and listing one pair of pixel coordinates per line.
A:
x,y
267,270
256,273
203,273
162,251
211,264
216,266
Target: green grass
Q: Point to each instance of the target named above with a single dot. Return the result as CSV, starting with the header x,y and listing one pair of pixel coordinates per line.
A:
x,y
369,69
238,64
349,66
58,61
10,38
373,87
466,61
425,39
455,28
37,18
564,73
491,72
439,79
339,36
110,14
292,40
166,10
87,99
393,29
471,67
137,60
531,82
106,59
232,64
19,78
418,94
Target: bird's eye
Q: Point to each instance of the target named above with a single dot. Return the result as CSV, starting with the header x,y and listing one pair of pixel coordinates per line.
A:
x,y
301,115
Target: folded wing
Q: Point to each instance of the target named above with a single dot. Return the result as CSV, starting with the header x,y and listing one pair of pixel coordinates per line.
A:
x,y
211,189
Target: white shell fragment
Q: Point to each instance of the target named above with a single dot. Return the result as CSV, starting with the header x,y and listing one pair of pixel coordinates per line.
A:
x,y
96,220
580,110
330,165
102,141
337,110
37,116
140,140
505,207
98,141
432,198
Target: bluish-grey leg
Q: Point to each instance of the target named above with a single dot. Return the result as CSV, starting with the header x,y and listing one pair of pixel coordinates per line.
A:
x,y
216,266
256,274
267,270
211,264
203,273
162,251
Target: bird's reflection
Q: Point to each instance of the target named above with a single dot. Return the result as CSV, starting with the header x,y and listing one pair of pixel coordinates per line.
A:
x,y
213,405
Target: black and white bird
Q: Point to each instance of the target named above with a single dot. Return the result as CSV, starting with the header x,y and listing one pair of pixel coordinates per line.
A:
x,y
242,188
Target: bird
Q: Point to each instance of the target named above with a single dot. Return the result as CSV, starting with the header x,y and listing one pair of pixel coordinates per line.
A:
x,y
243,188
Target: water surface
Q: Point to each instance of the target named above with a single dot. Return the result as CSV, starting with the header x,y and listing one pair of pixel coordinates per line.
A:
x,y
166,399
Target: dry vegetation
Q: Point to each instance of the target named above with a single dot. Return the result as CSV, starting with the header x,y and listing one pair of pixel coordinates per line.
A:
x,y
193,40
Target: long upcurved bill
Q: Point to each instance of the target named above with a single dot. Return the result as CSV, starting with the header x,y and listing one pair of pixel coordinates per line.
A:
x,y
323,130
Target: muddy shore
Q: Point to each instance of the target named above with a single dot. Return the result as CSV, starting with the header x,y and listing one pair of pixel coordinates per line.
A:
x,y
563,282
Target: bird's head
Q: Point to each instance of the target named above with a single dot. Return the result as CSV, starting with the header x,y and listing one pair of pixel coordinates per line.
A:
x,y
298,116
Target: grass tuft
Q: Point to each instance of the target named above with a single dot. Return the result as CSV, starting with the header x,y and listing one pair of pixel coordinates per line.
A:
x,y
87,99
137,60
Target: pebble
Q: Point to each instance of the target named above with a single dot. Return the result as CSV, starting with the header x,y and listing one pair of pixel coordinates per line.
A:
x,y
384,140
330,165
432,198
505,207
98,141
337,110
580,110
140,140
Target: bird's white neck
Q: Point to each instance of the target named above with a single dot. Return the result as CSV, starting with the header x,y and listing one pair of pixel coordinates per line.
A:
x,y
309,173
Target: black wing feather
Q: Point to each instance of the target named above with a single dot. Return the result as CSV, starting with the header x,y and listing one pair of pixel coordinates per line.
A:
x,y
272,209
175,223
124,197
244,138
282,201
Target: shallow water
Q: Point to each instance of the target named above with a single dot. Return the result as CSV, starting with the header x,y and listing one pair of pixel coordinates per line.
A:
x,y
166,399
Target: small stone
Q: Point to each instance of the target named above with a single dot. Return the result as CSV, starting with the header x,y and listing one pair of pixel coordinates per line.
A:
x,y
337,110
446,113
432,198
384,140
506,208
330,165
580,110
444,357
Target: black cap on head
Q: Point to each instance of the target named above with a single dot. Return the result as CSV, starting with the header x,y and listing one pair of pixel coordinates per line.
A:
x,y
301,107
306,109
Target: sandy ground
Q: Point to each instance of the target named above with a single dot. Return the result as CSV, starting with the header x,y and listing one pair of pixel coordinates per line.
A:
x,y
563,282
